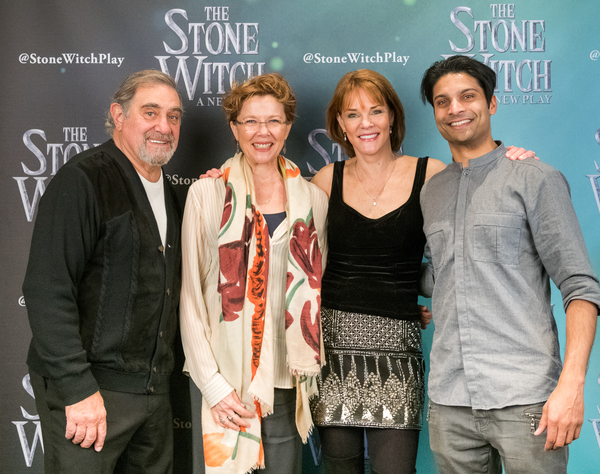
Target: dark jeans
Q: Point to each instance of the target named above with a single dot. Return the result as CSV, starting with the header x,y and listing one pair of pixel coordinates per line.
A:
x,y
139,434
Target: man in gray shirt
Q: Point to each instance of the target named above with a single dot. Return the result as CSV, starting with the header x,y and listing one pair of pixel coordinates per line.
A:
x,y
497,231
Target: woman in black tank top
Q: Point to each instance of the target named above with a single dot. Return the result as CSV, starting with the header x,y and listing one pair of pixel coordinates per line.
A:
x,y
373,380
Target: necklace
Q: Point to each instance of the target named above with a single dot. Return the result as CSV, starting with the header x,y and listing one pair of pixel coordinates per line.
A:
x,y
374,198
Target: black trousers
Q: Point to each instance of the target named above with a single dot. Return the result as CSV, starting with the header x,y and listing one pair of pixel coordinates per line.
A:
x,y
281,441
139,433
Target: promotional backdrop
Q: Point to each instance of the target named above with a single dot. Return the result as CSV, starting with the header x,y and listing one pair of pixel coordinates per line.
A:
x,y
62,60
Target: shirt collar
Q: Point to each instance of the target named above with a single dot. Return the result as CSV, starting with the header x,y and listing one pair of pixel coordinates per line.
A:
x,y
493,155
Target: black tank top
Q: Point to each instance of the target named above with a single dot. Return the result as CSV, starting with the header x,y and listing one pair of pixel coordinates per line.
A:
x,y
373,264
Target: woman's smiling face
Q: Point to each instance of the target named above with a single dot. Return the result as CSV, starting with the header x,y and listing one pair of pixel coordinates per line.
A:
x,y
366,123
261,129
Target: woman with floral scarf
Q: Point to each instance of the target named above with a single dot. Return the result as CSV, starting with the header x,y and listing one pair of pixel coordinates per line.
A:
x,y
254,248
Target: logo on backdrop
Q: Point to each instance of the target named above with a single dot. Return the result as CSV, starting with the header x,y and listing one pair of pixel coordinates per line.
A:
x,y
596,422
66,59
595,178
47,159
337,153
205,80
30,435
356,58
177,180
496,40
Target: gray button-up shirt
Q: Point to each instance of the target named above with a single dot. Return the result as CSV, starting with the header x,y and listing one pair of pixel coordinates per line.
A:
x,y
496,231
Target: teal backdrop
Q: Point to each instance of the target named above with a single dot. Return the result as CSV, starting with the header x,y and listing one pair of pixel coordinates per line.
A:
x,y
63,59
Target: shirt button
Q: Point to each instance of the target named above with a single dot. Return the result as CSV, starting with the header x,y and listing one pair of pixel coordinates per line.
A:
x,y
161,249
466,172
160,334
154,370
168,291
151,389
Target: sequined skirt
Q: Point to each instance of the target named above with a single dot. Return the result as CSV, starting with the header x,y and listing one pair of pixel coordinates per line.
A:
x,y
375,373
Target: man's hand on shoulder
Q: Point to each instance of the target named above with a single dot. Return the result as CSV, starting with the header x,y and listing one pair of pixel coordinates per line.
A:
x,y
86,422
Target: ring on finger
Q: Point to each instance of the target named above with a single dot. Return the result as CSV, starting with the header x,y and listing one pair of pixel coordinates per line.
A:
x,y
221,420
230,418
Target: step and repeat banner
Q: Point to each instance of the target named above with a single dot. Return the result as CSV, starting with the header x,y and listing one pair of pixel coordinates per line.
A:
x,y
62,60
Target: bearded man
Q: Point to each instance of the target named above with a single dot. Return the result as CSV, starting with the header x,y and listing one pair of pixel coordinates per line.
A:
x,y
102,290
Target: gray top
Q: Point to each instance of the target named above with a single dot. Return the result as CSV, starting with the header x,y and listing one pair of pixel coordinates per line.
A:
x,y
496,231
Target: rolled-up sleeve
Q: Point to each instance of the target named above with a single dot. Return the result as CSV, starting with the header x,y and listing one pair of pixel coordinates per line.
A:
x,y
559,240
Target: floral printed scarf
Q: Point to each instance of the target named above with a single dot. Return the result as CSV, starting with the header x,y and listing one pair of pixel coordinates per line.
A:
x,y
245,354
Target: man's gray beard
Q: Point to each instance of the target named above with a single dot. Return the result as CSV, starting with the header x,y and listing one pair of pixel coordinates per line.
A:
x,y
156,159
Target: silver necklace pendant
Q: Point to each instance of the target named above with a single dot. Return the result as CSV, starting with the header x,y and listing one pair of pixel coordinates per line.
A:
x,y
374,203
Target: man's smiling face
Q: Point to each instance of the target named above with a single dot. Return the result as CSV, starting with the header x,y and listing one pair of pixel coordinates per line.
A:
x,y
149,128
461,111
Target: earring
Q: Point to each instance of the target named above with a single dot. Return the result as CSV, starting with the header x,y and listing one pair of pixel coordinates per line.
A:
x,y
284,147
345,137
390,129
237,145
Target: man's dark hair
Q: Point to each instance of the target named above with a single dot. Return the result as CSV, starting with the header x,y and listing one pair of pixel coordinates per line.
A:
x,y
485,76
